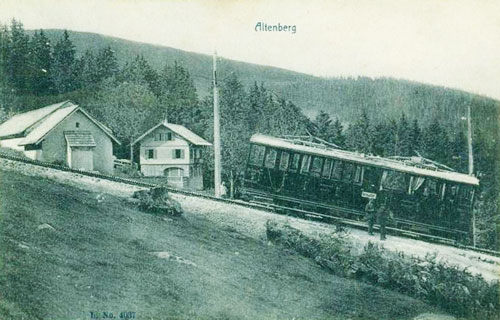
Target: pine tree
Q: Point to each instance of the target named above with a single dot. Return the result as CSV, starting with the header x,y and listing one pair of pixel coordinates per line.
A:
x,y
404,136
40,64
179,97
86,70
256,107
459,150
338,133
139,71
17,64
436,143
415,139
106,63
63,75
235,132
392,142
4,53
359,134
322,127
380,139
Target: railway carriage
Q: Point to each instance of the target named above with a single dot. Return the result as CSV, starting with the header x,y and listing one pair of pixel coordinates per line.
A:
x,y
318,179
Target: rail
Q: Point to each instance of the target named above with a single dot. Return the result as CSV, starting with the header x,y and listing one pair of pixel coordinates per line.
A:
x,y
259,206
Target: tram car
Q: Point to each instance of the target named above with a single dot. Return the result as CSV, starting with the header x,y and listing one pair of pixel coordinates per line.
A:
x,y
308,176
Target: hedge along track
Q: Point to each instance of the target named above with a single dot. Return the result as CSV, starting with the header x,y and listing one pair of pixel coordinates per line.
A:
x,y
269,207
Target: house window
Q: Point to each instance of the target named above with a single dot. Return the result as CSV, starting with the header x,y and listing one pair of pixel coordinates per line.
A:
x,y
150,153
77,124
163,136
178,154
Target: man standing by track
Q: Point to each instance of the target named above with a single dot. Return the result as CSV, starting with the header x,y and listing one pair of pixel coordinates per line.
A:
x,y
383,215
370,215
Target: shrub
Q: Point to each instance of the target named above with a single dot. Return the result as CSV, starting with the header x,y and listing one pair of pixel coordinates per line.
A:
x,y
128,171
441,284
157,200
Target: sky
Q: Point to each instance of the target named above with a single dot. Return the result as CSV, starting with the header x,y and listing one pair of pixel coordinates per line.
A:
x,y
453,43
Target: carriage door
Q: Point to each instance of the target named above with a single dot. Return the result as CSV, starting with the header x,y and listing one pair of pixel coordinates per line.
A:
x,y
371,180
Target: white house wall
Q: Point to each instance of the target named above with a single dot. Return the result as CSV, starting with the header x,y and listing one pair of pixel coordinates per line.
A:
x,y
163,150
54,145
13,144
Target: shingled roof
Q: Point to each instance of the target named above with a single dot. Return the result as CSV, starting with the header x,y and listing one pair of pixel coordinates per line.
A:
x,y
79,139
182,131
34,125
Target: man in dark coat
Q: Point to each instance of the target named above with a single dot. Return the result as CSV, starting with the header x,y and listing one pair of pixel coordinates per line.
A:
x,y
370,215
383,215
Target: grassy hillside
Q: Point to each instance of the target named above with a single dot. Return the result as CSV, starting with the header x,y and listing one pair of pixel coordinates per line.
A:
x,y
343,97
99,258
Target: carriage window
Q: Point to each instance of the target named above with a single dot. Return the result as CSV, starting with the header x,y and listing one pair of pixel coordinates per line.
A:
x,y
415,183
431,188
295,162
337,170
257,155
348,170
306,163
465,192
285,158
358,175
270,158
394,180
327,168
317,164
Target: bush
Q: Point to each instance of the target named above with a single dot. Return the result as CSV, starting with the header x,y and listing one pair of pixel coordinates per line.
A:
x,y
441,284
157,200
128,171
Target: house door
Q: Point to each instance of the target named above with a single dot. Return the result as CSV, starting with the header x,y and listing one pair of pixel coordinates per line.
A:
x,y
175,177
82,158
174,172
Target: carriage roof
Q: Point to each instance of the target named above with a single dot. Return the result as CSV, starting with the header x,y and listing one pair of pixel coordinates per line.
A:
x,y
398,165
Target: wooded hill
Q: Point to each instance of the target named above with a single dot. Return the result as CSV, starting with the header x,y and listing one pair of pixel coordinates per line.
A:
x,y
340,97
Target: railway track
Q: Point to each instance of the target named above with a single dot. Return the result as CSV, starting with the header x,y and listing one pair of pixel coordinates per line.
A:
x,y
257,205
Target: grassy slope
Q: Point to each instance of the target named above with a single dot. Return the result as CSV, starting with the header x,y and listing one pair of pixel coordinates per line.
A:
x,y
98,260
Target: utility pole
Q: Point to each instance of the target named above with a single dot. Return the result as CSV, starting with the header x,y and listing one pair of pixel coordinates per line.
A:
x,y
217,160
469,138
471,168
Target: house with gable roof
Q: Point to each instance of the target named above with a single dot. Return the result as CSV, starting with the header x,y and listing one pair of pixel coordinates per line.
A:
x,y
62,133
172,151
